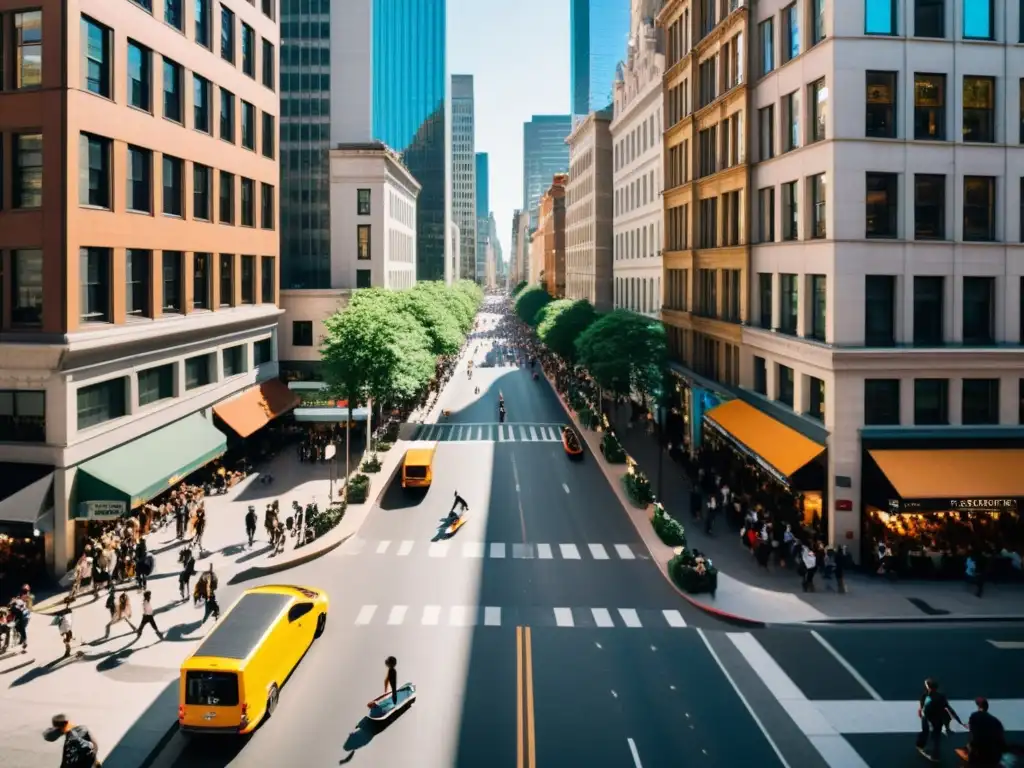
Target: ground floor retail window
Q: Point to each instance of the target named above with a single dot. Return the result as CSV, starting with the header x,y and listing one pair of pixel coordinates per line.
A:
x,y
23,415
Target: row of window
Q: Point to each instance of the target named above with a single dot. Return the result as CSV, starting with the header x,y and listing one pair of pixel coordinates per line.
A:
x,y
795,35
980,403
633,144
978,17
705,355
781,313
638,242
785,388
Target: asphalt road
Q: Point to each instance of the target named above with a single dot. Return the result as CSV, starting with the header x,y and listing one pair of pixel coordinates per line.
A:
x,y
542,634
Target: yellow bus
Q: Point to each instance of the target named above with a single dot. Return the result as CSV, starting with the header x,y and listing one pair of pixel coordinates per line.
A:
x,y
418,465
234,678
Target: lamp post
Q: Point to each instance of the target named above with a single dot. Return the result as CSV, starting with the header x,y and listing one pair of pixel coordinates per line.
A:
x,y
661,446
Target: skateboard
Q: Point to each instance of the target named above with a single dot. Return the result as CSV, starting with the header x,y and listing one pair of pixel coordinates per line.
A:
x,y
383,707
451,529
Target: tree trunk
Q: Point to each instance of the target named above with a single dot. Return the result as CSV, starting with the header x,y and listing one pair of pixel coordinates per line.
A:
x,y
348,447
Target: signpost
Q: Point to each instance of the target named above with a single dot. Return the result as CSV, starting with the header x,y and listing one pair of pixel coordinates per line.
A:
x,y
329,453
101,510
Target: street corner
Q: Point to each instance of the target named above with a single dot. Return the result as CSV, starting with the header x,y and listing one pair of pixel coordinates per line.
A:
x,y
296,557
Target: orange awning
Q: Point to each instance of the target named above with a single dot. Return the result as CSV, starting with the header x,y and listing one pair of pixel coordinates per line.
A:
x,y
956,474
783,448
256,407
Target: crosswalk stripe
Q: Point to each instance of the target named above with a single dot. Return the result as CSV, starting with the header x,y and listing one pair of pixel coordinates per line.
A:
x,y
366,614
522,551
405,548
492,616
544,551
511,434
462,616
674,618
597,551
630,617
569,551
497,550
383,547
431,615
624,552
501,433
438,548
602,617
397,615
354,546
563,617
533,435
473,549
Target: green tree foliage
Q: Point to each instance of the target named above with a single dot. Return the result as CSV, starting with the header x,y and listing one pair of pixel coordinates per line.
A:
x,y
624,352
561,324
518,288
530,302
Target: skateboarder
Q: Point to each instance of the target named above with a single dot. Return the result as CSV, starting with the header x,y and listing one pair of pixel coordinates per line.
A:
x,y
391,680
459,502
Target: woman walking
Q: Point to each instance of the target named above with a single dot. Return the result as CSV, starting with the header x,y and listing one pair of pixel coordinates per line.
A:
x,y
123,613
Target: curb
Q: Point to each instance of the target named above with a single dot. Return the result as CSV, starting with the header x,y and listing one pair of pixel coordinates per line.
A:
x,y
159,747
946,619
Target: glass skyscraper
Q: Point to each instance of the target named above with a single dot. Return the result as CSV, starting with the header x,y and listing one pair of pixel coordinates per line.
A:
x,y
598,32
545,153
483,208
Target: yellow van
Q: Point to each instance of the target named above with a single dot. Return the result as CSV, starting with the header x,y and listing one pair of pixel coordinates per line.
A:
x,y
234,678
418,466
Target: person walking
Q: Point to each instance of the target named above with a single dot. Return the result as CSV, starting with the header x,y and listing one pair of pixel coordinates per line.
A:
x,y
80,746
988,737
935,713
123,613
250,525
188,570
141,556
66,629
20,613
200,528
147,616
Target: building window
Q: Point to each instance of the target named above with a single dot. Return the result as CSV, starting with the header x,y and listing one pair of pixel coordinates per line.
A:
x,y
881,205
302,333
881,105
979,310
363,242
263,351
879,310
929,303
173,76
202,263
790,211
819,110
363,278
979,208
227,35
266,206
248,280
269,135
27,288
227,115
94,272
174,14
819,307
881,402
790,33
363,202
227,280
172,277
766,34
760,376
94,171
248,51
817,21
97,63
785,388
929,18
764,293
980,401
227,198
979,19
156,384
197,372
103,402
248,126
268,281
137,271
766,214
816,395
268,65
28,40
979,109
203,36
268,9
248,203
789,301
929,207
28,170
235,360
23,416
201,117
172,182
791,118
931,402
880,17
816,185
140,76
929,107
202,192
766,133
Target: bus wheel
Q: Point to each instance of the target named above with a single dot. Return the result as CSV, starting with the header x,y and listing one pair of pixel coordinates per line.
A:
x,y
272,699
321,624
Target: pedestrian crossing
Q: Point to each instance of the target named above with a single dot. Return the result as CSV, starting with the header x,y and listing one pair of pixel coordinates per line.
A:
x,y
489,433
534,616
495,550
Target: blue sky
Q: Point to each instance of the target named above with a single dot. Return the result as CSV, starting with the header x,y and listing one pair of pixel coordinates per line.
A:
x,y
518,53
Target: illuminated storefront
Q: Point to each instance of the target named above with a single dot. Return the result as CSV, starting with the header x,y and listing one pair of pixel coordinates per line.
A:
x,y
688,403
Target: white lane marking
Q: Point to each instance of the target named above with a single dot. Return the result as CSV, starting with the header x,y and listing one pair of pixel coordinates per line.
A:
x,y
846,665
624,552
431,615
497,550
397,615
597,551
473,549
674,618
383,547
353,546
565,487
405,548
1006,645
492,616
462,616
859,717
634,753
569,551
771,674
366,614
511,433
602,617
522,551
501,433
563,617
544,551
438,548
630,617
533,434
739,693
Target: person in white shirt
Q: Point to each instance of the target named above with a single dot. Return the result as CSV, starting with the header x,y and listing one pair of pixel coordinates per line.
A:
x,y
147,615
66,630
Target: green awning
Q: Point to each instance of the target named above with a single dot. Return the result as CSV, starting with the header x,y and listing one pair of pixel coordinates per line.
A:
x,y
135,472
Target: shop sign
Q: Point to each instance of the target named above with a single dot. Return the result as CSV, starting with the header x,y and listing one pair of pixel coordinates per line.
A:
x,y
101,510
946,505
844,505
319,400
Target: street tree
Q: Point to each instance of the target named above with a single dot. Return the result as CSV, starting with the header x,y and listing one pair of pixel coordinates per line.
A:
x,y
561,324
624,352
530,302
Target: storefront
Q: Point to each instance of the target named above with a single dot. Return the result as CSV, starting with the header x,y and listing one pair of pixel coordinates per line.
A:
x,y
688,403
257,407
316,406
26,524
927,509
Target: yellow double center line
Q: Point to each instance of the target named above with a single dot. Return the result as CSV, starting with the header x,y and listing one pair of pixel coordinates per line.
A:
x,y
526,749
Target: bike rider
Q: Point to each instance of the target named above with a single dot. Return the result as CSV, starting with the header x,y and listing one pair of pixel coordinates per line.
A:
x,y
459,502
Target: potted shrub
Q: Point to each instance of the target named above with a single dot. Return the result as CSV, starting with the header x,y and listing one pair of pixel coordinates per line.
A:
x,y
638,487
372,464
612,449
358,488
384,446
669,530
693,573
323,520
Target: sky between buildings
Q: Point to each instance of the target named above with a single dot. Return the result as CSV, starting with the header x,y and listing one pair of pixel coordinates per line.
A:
x,y
518,53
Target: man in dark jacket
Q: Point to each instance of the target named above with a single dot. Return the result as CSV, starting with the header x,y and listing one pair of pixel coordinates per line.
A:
x,y
80,748
988,737
935,713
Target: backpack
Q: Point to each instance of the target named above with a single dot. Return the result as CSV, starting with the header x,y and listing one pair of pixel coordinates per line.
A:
x,y
79,749
19,610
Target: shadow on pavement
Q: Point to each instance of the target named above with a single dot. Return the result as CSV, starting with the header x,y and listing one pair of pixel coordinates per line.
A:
x,y
396,497
366,731
149,734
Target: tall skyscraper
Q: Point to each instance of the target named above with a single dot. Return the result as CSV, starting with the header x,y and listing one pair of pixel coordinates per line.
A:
x,y
464,173
545,153
483,207
598,31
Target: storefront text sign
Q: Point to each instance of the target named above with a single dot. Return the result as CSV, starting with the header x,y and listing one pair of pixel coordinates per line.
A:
x,y
946,505
101,510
